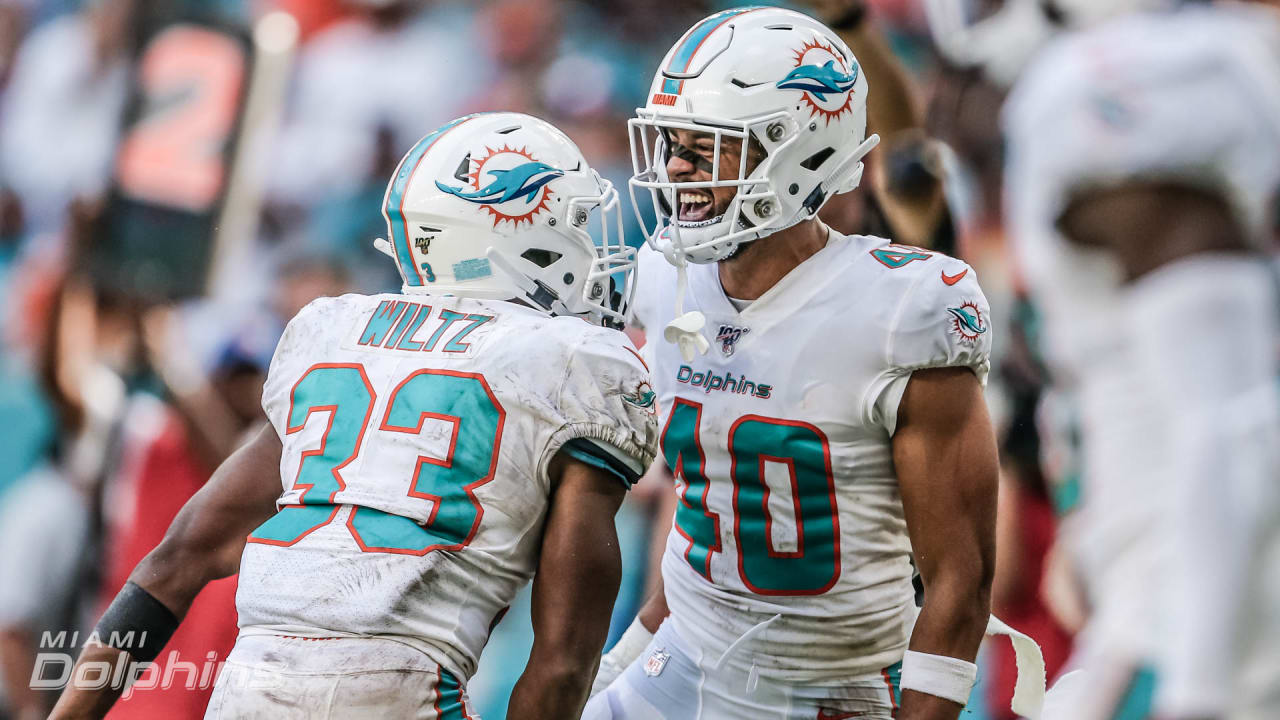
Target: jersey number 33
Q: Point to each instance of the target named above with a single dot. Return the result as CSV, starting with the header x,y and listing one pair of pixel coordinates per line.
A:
x,y
449,483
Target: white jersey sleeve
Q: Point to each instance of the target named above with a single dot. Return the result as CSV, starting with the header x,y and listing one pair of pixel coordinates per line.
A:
x,y
941,321
607,408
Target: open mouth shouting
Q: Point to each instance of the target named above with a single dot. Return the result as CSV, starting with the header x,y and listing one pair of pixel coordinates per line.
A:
x,y
696,206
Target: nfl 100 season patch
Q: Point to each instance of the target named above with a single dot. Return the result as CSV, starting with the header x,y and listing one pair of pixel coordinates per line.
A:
x,y
728,337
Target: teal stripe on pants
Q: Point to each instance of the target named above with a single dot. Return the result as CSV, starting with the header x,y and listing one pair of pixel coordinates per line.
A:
x,y
1137,700
893,676
449,698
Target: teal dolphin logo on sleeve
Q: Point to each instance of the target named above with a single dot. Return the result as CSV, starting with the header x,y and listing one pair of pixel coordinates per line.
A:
x,y
967,322
643,397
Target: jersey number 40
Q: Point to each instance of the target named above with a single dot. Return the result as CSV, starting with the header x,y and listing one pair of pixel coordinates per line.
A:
x,y
814,566
344,391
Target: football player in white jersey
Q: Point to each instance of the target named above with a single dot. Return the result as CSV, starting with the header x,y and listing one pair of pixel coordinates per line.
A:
x,y
821,406
1142,185
435,448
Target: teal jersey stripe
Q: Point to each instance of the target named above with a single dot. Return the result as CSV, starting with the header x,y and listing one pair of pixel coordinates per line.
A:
x,y
692,41
395,200
893,678
585,451
449,698
1139,697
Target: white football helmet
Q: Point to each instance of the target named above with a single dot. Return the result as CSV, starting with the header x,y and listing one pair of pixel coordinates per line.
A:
x,y
1000,36
499,206
765,76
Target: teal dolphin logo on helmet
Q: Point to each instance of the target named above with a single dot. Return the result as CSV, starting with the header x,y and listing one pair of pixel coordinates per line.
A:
x,y
522,181
819,80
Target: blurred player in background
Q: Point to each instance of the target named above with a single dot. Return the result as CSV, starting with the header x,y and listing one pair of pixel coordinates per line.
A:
x,y
984,45
1142,185
1140,181
823,406
435,448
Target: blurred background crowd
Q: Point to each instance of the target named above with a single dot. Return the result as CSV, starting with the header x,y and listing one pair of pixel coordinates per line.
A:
x,y
139,316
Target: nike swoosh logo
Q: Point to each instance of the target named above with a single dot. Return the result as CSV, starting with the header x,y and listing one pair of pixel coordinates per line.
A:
x,y
953,279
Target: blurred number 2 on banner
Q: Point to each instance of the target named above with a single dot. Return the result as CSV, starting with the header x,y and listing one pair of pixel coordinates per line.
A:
x,y
190,80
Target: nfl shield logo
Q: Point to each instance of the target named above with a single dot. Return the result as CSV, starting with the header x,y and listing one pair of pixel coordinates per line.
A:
x,y
656,663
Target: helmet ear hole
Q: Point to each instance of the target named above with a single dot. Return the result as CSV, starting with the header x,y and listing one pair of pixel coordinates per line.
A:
x,y
814,161
541,258
464,169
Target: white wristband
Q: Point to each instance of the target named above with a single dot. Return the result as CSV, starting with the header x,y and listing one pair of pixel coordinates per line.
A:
x,y
946,677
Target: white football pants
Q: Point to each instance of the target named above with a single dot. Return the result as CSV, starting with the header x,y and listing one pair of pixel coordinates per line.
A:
x,y
672,681
274,677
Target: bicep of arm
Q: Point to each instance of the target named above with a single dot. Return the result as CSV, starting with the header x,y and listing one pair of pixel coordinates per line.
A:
x,y
944,451
580,566
579,570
